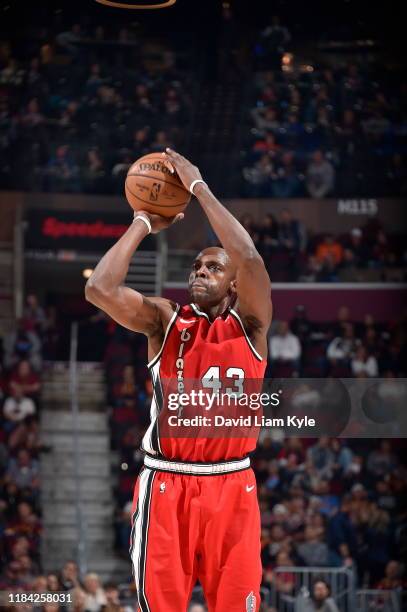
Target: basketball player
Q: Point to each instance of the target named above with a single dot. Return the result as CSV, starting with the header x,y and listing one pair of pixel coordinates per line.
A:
x,y
196,513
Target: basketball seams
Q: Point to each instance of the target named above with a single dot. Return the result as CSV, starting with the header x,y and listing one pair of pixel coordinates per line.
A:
x,y
158,179
154,204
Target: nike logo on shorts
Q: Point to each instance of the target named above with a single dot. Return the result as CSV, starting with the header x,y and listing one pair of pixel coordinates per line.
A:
x,y
248,489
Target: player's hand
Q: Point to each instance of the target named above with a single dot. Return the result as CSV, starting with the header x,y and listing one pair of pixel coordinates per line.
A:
x,y
186,171
158,222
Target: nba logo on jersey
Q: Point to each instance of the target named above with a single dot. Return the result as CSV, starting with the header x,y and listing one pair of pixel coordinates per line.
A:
x,y
251,602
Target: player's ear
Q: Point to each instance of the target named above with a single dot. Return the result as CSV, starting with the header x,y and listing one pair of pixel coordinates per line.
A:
x,y
233,286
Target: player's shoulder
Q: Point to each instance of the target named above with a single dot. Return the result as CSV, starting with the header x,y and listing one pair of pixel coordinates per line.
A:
x,y
166,308
163,303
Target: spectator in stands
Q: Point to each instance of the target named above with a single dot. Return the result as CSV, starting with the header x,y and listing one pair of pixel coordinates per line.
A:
x,y
285,347
265,118
95,595
69,39
381,461
12,74
380,249
286,182
274,40
26,435
125,391
291,233
23,343
313,551
160,142
17,408
356,253
321,457
112,598
39,584
94,173
320,176
267,144
32,117
62,172
258,177
393,578
34,314
342,348
79,599
51,335
25,381
140,142
268,237
363,364
26,523
330,249
321,599
300,325
28,570
284,582
53,583
69,576
23,470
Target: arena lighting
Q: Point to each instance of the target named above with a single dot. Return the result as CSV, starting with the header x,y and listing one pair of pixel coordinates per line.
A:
x,y
133,5
87,272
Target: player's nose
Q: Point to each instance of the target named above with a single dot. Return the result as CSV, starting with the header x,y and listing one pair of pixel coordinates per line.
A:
x,y
202,272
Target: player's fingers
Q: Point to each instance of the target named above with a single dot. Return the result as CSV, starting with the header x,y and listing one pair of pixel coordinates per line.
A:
x,y
169,165
173,155
178,217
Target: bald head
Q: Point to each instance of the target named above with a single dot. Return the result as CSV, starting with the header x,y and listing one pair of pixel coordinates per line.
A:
x,y
220,254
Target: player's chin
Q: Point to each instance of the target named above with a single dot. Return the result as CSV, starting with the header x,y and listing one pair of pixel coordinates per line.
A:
x,y
199,294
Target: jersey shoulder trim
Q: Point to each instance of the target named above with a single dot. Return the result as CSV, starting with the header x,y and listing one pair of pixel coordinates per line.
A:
x,y
198,312
167,331
236,316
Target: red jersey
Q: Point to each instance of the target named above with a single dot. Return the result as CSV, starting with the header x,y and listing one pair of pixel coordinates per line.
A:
x,y
197,349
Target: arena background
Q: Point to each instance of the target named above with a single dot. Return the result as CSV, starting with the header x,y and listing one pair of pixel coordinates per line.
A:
x,y
295,114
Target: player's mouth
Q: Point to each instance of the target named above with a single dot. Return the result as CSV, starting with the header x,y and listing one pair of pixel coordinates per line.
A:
x,y
196,285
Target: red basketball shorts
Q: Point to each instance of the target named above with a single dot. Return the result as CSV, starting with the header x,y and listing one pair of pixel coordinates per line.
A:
x,y
189,527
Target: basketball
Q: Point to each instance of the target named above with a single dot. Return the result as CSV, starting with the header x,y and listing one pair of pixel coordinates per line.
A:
x,y
150,186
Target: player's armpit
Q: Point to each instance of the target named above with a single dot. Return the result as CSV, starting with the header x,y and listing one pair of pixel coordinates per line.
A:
x,y
132,309
253,288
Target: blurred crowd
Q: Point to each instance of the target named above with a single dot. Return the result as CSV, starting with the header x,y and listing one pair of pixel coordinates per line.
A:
x,y
20,445
331,502
77,107
323,128
74,116
326,502
292,253
343,348
87,593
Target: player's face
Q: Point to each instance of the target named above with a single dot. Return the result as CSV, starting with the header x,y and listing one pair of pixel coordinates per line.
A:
x,y
212,277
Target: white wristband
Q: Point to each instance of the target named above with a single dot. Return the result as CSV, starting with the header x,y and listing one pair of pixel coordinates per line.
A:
x,y
145,220
192,185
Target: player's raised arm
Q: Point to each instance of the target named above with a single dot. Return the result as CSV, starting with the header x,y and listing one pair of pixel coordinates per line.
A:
x,y
105,288
253,282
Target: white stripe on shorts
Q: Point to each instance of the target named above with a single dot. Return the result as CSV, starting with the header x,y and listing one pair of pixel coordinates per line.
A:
x,y
138,549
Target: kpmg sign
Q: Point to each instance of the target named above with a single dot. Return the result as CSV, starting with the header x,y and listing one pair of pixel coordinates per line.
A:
x,y
75,230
